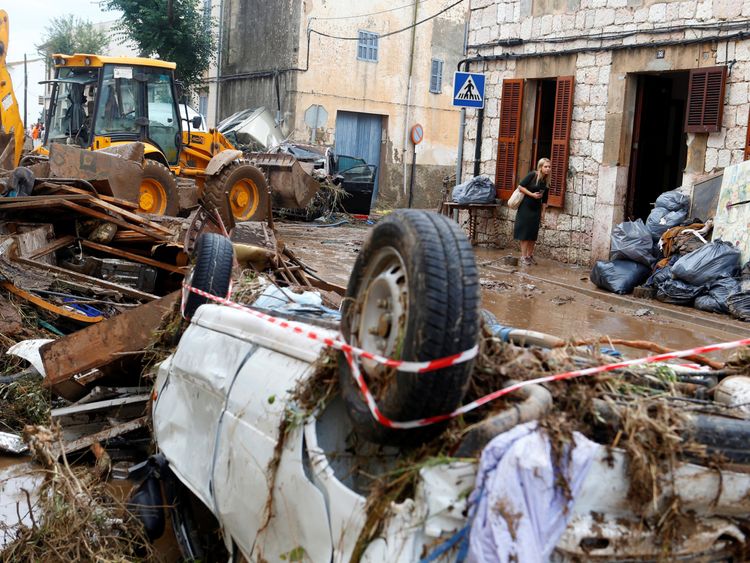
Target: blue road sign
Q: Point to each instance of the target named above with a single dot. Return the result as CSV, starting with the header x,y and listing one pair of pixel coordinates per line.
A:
x,y
468,90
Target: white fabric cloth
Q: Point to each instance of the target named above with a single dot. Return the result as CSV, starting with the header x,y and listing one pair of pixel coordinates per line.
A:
x,y
519,513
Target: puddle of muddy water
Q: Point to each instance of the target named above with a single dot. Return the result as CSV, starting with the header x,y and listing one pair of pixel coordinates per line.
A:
x,y
545,308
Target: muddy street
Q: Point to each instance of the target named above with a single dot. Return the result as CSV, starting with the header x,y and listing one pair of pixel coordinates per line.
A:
x,y
552,298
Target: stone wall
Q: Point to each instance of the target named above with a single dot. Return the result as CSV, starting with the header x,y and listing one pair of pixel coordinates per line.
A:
x,y
537,39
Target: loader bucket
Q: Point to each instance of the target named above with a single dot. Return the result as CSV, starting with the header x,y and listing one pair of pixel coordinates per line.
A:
x,y
291,186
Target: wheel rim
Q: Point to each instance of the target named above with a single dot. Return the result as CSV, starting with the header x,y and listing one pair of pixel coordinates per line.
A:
x,y
244,198
153,197
381,319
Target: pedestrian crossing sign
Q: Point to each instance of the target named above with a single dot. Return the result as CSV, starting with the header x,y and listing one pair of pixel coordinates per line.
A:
x,y
468,90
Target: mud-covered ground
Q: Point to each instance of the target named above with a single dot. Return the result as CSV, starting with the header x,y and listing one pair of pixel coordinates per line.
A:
x,y
554,298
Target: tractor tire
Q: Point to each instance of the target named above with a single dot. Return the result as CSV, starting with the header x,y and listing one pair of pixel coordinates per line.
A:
x,y
413,295
240,189
212,273
158,193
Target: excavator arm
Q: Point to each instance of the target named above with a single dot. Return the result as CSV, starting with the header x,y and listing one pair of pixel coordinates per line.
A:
x,y
11,125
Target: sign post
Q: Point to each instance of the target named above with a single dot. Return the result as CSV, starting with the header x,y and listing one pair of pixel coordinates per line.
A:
x,y
416,135
468,90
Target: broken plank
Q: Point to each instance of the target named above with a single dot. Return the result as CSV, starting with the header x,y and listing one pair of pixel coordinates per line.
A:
x,y
116,220
108,198
104,435
87,349
123,289
132,216
108,404
6,201
47,306
131,256
57,244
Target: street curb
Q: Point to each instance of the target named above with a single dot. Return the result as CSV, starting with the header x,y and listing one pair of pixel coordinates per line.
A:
x,y
690,318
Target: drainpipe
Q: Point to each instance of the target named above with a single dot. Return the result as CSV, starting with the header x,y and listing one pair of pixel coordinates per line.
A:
x,y
220,40
408,97
478,145
462,122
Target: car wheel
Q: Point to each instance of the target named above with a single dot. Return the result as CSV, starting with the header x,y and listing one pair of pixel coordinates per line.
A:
x,y
212,273
196,530
413,295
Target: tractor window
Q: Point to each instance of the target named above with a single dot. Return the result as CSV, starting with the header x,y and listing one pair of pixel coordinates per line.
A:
x,y
72,107
163,123
117,111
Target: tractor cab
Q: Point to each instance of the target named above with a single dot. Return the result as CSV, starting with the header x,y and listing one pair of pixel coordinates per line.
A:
x,y
100,101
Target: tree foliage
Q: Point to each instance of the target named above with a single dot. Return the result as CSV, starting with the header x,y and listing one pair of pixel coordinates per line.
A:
x,y
173,30
68,34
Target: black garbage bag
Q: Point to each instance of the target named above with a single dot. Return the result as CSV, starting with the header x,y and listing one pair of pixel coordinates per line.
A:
x,y
678,292
479,189
631,240
661,219
739,305
673,201
619,276
715,300
659,276
710,262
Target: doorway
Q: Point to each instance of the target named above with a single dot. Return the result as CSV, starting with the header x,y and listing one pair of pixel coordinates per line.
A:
x,y
544,119
658,153
359,135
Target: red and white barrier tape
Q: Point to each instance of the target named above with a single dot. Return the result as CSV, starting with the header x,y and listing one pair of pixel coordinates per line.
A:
x,y
339,344
351,353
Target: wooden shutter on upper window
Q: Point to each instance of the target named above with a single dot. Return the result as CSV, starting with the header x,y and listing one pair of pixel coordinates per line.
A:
x,y
508,137
705,104
560,140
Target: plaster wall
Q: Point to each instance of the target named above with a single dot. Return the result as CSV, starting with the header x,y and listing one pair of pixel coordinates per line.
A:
x,y
338,81
530,38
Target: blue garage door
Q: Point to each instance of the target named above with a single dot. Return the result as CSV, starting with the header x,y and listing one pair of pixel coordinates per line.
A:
x,y
359,134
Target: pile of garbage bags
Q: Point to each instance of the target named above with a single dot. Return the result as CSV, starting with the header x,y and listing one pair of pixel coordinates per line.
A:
x,y
675,258
479,189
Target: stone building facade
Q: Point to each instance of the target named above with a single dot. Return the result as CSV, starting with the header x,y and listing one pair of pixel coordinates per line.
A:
x,y
369,68
629,98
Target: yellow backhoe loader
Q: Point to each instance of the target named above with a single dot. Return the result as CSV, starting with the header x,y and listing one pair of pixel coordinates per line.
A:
x,y
99,102
11,125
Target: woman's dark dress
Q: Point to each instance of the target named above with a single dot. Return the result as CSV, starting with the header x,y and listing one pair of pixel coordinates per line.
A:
x,y
529,213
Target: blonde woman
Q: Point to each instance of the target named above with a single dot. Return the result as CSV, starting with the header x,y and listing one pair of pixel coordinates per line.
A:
x,y
535,187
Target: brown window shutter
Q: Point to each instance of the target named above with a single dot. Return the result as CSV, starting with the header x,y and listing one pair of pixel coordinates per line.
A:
x,y
705,104
508,137
561,140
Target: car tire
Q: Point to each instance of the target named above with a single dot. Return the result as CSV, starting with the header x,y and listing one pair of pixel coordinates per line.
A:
x,y
212,273
240,189
415,275
158,192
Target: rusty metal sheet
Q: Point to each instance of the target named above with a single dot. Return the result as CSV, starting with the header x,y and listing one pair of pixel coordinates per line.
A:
x,y
112,175
292,187
99,345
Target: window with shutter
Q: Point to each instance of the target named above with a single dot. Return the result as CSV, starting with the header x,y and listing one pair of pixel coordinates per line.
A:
x,y
367,46
705,104
560,140
436,76
508,137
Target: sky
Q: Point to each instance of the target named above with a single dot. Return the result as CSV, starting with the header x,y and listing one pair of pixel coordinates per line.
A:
x,y
29,18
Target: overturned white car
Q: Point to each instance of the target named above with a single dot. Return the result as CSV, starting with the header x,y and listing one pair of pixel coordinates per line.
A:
x,y
253,470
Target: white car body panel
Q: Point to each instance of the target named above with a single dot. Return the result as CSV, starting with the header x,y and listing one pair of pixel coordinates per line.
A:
x,y
220,402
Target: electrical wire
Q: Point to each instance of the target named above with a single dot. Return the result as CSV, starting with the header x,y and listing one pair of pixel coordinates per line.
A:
x,y
617,35
370,14
384,35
